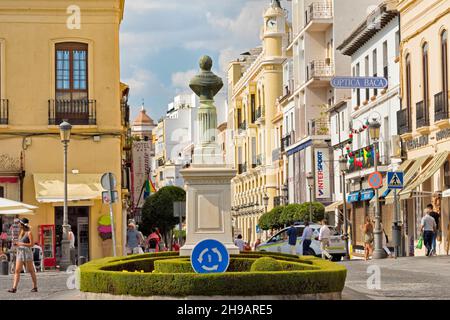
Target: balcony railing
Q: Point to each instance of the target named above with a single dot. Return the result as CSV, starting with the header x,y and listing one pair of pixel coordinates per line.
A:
x,y
161,162
318,10
404,125
242,127
259,160
125,108
76,112
421,115
365,156
318,127
259,113
277,201
287,140
440,107
320,69
242,168
4,111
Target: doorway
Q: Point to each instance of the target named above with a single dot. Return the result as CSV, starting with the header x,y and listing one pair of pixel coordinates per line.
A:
x,y
79,222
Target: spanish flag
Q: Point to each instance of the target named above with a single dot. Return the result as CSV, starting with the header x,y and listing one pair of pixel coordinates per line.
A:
x,y
149,188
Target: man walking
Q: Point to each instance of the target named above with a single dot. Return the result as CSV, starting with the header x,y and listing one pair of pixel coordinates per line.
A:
x,y
306,238
240,243
428,229
324,238
292,233
436,218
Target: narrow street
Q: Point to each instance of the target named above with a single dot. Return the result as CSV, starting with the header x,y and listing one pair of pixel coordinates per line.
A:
x,y
420,278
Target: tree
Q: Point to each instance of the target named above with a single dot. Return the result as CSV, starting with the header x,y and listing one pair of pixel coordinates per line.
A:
x,y
271,219
291,213
300,212
158,210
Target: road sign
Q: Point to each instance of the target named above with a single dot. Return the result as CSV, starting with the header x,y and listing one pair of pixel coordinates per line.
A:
x,y
210,256
109,181
376,180
359,82
179,209
106,197
395,180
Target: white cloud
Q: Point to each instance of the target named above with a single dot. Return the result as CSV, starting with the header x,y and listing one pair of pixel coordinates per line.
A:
x,y
180,80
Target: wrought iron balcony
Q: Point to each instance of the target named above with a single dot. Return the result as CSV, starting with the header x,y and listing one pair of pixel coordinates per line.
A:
x,y
440,107
320,69
403,123
422,119
287,140
76,112
4,111
242,168
318,10
125,108
259,113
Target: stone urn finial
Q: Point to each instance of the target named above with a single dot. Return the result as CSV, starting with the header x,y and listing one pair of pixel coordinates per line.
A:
x,y
206,84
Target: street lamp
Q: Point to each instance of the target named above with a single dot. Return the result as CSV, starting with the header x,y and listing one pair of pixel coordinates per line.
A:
x,y
374,131
265,202
310,178
65,129
343,169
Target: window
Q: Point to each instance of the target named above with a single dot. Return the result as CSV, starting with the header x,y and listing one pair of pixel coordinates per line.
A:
x,y
444,66
385,60
397,43
366,66
408,84
71,71
425,74
343,120
358,91
292,124
253,107
336,120
375,68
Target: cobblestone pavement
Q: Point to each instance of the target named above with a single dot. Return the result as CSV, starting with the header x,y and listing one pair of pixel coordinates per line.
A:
x,y
52,286
420,278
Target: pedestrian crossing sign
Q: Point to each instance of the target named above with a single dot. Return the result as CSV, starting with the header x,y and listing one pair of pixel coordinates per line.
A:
x,y
395,180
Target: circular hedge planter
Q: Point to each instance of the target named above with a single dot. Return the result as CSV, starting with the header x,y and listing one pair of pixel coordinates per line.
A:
x,y
167,274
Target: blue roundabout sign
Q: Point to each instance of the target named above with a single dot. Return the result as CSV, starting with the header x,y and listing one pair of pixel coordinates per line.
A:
x,y
210,256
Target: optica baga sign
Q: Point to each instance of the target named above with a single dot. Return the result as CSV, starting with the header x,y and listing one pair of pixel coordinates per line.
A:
x,y
359,82
322,174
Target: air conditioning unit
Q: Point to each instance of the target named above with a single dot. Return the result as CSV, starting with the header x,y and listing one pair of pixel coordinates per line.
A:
x,y
396,150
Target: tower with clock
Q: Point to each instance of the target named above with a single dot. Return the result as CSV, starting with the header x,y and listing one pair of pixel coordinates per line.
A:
x,y
274,30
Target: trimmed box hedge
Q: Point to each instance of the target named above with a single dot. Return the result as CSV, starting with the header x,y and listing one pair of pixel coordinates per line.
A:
x,y
134,276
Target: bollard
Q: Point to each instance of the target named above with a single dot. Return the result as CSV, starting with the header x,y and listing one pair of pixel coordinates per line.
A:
x,y
4,268
81,260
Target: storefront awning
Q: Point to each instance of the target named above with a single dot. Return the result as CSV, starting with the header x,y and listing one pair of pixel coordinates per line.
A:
x,y
434,165
353,197
367,194
49,188
409,173
11,207
332,207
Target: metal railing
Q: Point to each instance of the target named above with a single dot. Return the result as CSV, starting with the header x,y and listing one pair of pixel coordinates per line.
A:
x,y
318,127
4,111
421,115
403,123
76,112
287,140
440,107
318,10
320,69
242,168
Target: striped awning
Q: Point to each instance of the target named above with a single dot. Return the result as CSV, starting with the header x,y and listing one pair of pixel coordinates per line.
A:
x,y
434,165
409,175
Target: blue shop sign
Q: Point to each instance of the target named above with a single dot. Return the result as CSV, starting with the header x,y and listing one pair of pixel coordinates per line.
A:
x,y
353,197
367,194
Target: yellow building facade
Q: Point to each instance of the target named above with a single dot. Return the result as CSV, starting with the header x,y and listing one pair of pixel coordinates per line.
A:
x,y
255,83
61,62
423,121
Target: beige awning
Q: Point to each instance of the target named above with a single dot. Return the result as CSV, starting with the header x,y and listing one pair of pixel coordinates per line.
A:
x,y
49,187
431,168
409,175
403,166
332,207
11,207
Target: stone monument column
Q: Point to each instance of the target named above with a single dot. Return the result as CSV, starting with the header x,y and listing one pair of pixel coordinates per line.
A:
x,y
208,180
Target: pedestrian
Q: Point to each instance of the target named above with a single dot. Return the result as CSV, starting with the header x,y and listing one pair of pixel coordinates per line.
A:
x,y
428,229
141,240
24,255
436,236
153,241
324,238
368,238
257,244
71,238
238,242
292,234
307,235
132,239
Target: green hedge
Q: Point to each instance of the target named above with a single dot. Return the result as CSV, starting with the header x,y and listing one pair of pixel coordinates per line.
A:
x,y
266,264
107,276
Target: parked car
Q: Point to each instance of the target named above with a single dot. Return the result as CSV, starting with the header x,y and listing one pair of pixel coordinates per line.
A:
x,y
279,243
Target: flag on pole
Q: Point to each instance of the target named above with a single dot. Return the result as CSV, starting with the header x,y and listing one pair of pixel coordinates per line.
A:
x,y
149,188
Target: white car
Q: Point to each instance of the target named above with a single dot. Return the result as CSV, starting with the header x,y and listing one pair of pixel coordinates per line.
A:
x,y
279,243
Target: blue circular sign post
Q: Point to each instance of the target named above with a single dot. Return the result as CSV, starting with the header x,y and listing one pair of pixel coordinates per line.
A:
x,y
210,256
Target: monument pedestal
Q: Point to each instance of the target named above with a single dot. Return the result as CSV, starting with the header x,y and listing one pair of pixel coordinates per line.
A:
x,y
208,206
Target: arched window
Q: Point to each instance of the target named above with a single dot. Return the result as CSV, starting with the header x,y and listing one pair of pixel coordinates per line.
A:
x,y
408,82
425,78
444,67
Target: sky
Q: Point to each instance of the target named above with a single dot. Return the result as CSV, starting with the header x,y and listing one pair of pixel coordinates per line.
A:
x,y
162,41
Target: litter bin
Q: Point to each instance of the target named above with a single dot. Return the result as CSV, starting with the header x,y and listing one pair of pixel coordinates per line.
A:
x,y
81,260
4,266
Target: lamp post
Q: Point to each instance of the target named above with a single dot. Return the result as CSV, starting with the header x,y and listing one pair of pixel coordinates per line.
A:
x,y
374,131
65,129
285,192
265,202
310,178
343,168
